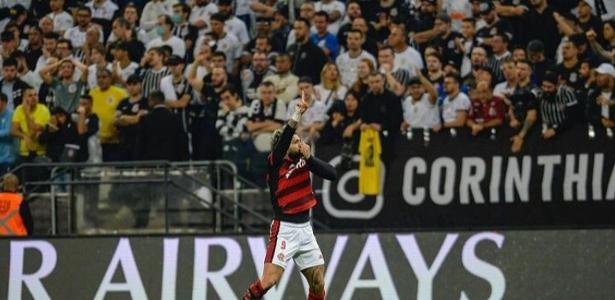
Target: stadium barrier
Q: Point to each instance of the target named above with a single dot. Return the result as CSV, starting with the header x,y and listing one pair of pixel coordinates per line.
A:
x,y
466,182
567,264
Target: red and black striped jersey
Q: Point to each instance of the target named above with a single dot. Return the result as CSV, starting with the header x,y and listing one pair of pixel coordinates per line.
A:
x,y
289,181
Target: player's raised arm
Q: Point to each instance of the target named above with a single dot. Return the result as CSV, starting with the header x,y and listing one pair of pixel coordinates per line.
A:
x,y
282,137
316,165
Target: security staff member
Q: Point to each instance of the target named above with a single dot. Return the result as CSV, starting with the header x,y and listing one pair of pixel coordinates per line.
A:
x,y
15,218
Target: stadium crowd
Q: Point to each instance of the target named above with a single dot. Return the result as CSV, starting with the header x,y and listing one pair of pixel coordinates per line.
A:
x,y
119,81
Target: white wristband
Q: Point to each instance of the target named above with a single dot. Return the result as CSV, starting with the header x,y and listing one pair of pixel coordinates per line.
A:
x,y
296,116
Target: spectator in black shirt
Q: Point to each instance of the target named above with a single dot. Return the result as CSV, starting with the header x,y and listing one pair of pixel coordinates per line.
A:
x,y
343,121
370,45
523,111
8,43
494,25
420,25
73,139
539,62
381,110
61,137
157,137
35,47
206,142
568,70
123,31
449,41
513,11
280,29
127,117
307,58
541,25
353,11
11,82
183,29
88,125
588,21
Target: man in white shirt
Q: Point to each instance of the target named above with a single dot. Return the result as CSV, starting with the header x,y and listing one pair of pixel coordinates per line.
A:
x,y
348,62
201,12
233,24
266,115
420,107
284,80
335,9
225,42
406,57
62,20
456,105
165,30
175,87
76,34
123,67
506,88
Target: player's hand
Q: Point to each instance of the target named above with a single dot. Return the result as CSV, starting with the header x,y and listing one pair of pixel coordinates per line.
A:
x,y
305,150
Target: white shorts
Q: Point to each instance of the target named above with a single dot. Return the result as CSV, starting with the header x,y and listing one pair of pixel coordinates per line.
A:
x,y
293,240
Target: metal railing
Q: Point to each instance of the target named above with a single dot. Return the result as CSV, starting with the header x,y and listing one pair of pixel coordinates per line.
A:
x,y
173,182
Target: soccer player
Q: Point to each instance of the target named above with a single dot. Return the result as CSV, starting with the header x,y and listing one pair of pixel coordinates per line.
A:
x,y
292,197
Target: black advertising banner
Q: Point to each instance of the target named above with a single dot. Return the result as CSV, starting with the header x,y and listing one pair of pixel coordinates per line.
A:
x,y
472,182
573,264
